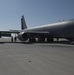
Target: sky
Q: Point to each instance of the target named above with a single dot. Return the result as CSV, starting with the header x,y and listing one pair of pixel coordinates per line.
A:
x,y
36,12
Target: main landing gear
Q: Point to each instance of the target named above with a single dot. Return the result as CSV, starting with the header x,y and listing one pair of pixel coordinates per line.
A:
x,y
41,40
32,40
50,40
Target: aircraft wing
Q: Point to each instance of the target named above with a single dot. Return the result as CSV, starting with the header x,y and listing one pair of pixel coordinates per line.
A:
x,y
8,33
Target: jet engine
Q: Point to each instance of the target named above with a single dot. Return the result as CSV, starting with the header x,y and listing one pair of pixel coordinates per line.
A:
x,y
22,36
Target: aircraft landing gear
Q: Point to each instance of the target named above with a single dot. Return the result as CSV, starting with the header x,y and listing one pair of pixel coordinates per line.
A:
x,y
50,40
41,40
57,39
32,40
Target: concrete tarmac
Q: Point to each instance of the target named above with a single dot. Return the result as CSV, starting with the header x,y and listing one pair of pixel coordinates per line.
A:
x,y
36,59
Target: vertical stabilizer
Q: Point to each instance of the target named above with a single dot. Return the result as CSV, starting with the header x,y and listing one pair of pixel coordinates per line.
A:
x,y
23,23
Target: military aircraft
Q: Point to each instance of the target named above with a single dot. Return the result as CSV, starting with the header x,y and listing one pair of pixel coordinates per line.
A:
x,y
64,29
61,29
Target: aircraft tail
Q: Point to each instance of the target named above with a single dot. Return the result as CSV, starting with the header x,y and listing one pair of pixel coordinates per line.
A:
x,y
23,23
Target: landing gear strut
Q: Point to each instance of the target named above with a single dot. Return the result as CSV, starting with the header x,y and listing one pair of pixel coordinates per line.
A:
x,y
41,40
32,40
50,40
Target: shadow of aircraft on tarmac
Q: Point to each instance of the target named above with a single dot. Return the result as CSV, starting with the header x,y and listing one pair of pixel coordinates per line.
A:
x,y
55,42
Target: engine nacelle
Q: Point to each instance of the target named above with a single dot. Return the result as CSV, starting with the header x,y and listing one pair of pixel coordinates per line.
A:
x,y
22,36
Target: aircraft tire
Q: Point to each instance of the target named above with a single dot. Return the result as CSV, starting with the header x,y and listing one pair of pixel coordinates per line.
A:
x,y
50,40
32,40
41,40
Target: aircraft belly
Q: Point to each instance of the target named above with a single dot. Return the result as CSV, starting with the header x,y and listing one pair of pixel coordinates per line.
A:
x,y
56,30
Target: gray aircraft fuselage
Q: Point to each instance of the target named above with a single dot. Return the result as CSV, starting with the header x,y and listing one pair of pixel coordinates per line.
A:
x,y
64,29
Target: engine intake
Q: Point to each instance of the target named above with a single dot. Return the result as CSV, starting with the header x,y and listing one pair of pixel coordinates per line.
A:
x,y
22,36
